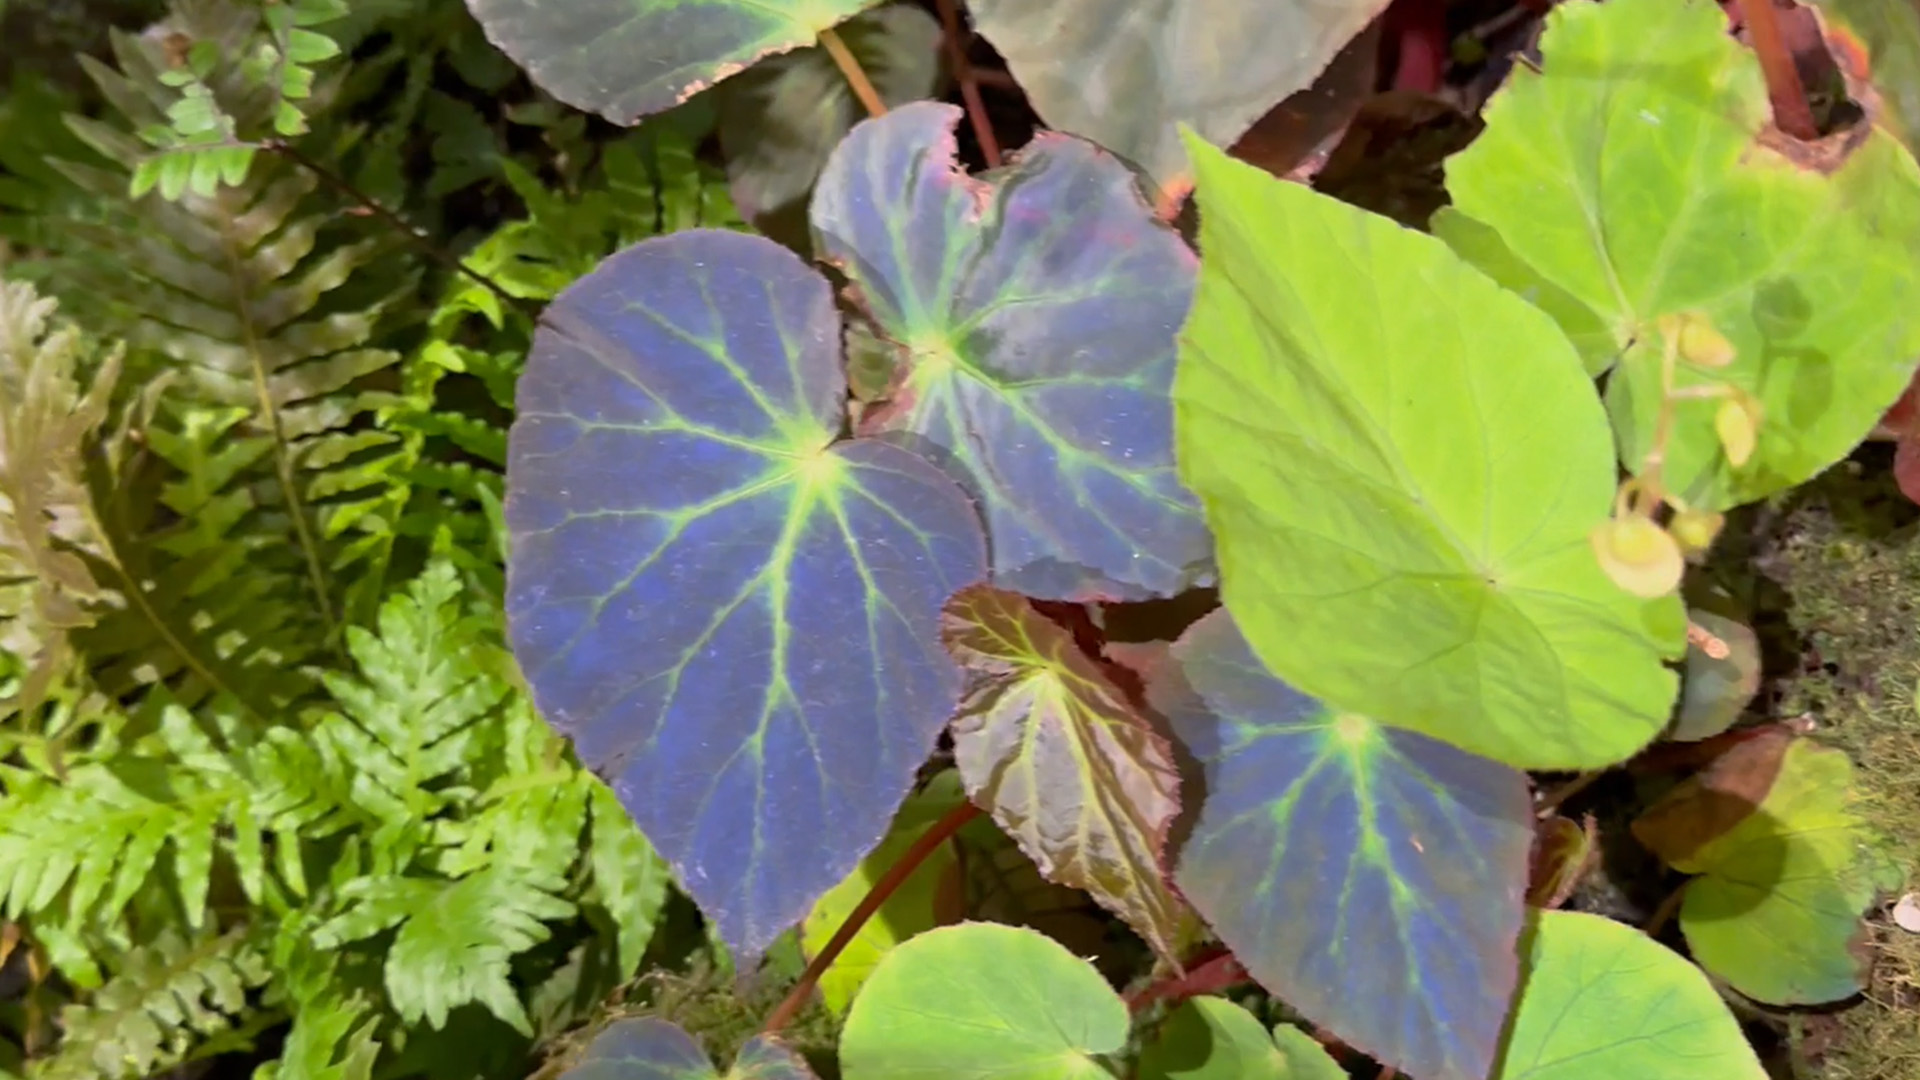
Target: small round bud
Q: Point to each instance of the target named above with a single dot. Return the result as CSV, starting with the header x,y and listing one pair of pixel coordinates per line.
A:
x,y
1639,555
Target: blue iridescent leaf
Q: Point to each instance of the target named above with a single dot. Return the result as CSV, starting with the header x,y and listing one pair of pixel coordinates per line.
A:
x,y
647,1048
1371,877
734,617
1033,314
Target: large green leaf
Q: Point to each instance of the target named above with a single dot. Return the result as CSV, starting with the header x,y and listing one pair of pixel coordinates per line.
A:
x,y
1785,867
981,1001
1126,73
1402,463
1645,197
1603,1001
626,59
1065,761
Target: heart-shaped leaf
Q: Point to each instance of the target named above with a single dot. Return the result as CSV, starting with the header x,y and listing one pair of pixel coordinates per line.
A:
x,y
1673,196
647,1048
1371,878
1034,316
1064,761
1402,506
1603,1001
1127,73
626,59
981,1001
735,621
1786,869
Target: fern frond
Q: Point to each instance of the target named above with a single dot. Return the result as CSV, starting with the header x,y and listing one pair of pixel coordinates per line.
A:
x,y
456,939
77,851
257,309
49,412
408,722
168,998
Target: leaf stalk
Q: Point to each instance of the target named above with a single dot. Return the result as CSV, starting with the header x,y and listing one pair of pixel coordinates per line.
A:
x,y
849,66
896,875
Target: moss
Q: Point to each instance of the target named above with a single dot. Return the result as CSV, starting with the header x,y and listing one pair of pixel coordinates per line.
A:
x,y
1846,551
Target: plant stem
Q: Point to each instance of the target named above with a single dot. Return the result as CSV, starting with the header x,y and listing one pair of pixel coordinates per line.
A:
x,y
436,252
896,875
1661,914
1791,112
969,85
1219,972
856,75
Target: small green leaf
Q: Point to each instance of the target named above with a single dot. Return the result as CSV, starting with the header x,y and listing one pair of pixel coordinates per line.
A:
x,y
1718,683
981,1001
1786,869
931,895
1600,1000
1402,463
1210,1038
1645,198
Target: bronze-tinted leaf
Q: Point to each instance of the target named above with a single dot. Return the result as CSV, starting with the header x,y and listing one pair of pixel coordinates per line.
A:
x,y
1064,761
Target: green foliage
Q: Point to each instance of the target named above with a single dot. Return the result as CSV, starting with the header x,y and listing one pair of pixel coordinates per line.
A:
x,y
1422,559
1668,197
924,1008
272,786
172,1000
1210,1038
264,759
1604,1000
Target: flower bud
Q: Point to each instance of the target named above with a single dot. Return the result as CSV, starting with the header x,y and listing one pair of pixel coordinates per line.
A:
x,y
1737,422
1639,555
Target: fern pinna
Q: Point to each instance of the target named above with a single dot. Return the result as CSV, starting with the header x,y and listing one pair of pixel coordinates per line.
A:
x,y
266,766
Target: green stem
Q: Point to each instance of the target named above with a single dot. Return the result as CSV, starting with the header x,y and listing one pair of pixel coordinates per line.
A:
x,y
849,66
896,875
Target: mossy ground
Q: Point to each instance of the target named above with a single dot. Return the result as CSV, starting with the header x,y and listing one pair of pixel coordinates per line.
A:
x,y
1839,602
